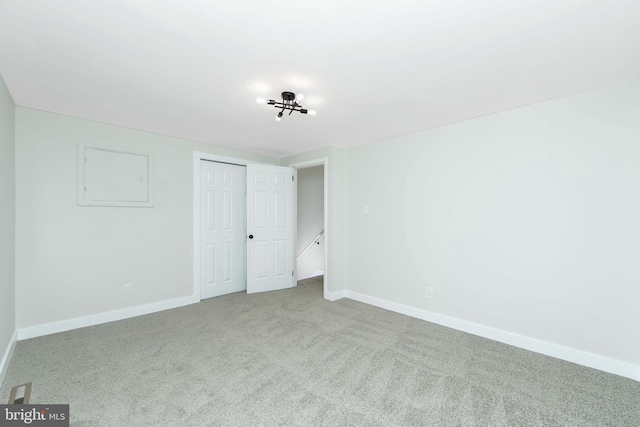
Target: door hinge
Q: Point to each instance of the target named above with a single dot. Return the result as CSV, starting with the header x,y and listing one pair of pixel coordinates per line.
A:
x,y
292,274
292,178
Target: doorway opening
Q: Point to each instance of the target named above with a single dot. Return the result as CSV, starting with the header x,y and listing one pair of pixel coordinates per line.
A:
x,y
312,225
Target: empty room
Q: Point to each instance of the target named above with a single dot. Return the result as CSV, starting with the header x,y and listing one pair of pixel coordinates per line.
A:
x,y
409,213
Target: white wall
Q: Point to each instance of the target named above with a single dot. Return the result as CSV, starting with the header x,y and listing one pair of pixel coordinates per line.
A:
x,y
524,221
310,207
334,276
73,261
527,221
7,224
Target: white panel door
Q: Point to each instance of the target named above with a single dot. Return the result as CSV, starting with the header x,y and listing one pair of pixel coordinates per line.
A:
x,y
222,229
269,228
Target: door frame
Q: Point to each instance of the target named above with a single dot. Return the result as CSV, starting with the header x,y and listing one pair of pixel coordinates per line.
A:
x,y
321,161
324,162
197,157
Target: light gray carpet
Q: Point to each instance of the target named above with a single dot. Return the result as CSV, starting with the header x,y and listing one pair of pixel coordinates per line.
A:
x,y
292,358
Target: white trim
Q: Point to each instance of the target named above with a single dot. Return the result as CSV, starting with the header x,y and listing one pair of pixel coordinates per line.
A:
x,y
309,163
8,354
294,238
97,319
311,275
324,162
197,157
590,360
224,159
196,225
83,146
334,296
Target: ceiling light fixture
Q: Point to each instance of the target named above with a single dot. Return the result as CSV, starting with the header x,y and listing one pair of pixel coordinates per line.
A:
x,y
289,102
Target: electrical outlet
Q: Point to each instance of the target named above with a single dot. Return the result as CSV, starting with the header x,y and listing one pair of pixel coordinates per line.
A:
x,y
365,210
128,288
429,293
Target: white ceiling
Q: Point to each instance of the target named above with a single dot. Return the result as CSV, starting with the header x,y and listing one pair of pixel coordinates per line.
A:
x,y
372,69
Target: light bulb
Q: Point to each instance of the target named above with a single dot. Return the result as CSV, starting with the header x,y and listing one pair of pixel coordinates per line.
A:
x,y
279,116
261,100
311,112
299,97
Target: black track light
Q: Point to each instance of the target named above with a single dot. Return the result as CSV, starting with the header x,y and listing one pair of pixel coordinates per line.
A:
x,y
289,102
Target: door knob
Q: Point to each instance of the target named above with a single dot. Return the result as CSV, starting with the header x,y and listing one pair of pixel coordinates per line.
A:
x,y
251,236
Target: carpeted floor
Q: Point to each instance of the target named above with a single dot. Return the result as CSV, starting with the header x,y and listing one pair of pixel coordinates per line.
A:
x,y
292,358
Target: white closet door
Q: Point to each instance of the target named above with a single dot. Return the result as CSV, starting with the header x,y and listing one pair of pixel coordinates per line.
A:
x,y
269,228
222,229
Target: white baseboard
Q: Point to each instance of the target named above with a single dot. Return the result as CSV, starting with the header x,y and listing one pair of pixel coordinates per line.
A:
x,y
97,319
6,359
334,296
590,360
310,275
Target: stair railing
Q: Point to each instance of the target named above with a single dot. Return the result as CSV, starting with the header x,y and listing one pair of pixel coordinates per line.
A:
x,y
315,240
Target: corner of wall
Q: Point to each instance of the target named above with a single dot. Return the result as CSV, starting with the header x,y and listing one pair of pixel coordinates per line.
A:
x,y
6,358
8,333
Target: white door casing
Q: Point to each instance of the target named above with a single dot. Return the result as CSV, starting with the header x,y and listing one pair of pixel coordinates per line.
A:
x,y
222,228
269,228
324,162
